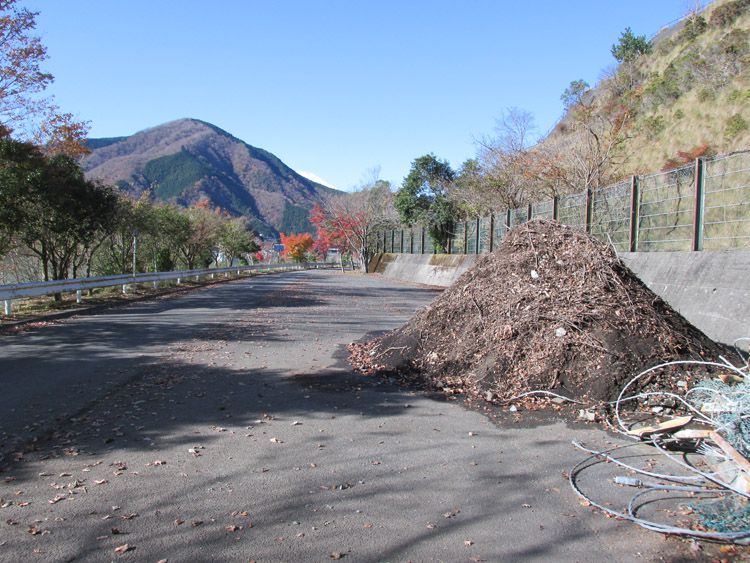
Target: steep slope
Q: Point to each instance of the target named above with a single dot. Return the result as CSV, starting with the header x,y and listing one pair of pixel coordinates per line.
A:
x,y
185,160
688,96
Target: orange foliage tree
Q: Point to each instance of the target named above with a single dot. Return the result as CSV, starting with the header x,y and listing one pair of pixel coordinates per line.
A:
x,y
296,245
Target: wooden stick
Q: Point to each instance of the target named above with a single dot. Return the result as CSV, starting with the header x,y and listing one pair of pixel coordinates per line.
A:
x,y
728,449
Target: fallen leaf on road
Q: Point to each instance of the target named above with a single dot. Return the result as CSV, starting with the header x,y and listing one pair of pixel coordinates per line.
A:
x,y
178,522
123,548
57,499
100,481
196,523
276,441
337,555
468,543
233,528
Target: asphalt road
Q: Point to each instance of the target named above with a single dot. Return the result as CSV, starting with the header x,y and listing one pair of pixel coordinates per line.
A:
x,y
225,425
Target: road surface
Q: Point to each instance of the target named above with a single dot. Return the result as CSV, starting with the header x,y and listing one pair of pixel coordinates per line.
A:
x,y
225,424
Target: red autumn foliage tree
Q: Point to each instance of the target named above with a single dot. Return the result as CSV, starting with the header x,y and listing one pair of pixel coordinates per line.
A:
x,y
296,245
328,235
351,221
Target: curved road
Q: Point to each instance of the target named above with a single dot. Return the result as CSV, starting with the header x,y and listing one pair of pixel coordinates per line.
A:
x,y
225,424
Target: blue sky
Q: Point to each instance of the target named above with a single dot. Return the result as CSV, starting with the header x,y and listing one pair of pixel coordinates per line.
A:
x,y
335,87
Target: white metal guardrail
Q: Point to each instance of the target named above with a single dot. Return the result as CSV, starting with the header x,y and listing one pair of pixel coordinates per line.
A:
x,y
34,289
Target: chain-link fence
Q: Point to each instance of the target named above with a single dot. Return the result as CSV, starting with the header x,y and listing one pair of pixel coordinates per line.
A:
x,y
666,209
726,203
611,215
700,206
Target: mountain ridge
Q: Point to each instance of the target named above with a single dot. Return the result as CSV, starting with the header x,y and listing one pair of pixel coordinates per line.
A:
x,y
188,159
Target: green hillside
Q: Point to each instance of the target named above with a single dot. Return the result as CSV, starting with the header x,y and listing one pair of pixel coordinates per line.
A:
x,y
171,175
681,95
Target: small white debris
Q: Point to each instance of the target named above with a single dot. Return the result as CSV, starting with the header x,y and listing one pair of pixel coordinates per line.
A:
x,y
513,408
560,332
587,415
534,274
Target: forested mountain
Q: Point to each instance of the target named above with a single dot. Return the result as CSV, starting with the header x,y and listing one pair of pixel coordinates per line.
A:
x,y
185,160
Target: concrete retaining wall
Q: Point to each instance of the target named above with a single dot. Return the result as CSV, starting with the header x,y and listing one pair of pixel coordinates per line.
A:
x,y
710,289
431,269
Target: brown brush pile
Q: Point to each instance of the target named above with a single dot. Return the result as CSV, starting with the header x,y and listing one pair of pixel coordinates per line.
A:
x,y
551,309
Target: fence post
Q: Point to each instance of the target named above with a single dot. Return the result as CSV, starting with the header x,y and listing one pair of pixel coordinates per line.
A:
x,y
507,220
78,296
449,250
555,207
401,246
699,206
492,232
479,224
411,240
635,196
589,209
529,213
8,307
393,240
466,237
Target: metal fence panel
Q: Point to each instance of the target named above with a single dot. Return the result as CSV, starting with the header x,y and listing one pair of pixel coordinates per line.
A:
x,y
429,246
457,243
408,240
571,210
543,210
471,237
665,211
610,220
519,216
501,228
726,211
484,234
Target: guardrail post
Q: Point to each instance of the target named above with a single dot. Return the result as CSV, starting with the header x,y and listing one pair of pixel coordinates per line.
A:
x,y
212,276
124,289
635,196
699,206
8,307
155,284
79,297
589,209
179,280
